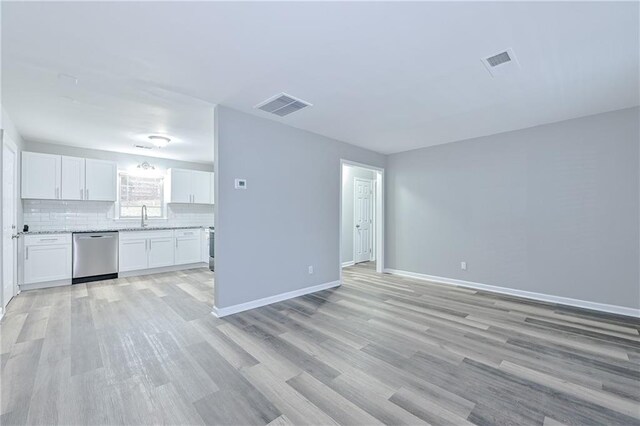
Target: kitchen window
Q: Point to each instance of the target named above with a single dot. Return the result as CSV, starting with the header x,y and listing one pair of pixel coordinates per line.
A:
x,y
135,190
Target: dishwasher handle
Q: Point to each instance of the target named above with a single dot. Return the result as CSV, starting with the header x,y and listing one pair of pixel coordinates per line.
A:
x,y
95,236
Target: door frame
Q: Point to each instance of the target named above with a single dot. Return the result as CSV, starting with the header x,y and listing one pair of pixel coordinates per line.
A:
x,y
379,213
372,225
6,142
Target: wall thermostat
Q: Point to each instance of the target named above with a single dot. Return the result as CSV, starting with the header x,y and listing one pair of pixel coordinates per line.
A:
x,y
241,184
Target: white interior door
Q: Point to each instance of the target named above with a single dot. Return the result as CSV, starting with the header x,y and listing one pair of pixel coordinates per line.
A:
x,y
363,215
9,193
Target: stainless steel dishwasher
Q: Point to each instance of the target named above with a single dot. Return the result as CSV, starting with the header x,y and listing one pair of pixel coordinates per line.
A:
x,y
95,256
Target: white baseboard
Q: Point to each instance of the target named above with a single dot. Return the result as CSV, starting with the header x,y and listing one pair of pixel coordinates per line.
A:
x,y
234,309
603,307
171,268
348,263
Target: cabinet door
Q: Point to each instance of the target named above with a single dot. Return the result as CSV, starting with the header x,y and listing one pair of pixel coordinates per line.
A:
x,y
212,187
132,254
47,263
181,188
101,180
40,176
188,250
160,252
205,246
200,184
72,178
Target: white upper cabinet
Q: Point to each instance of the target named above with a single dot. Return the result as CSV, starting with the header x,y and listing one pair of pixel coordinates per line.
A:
x,y
188,186
40,176
101,180
58,177
201,192
179,186
72,180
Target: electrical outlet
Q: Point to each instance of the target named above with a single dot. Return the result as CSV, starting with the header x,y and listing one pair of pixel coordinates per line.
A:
x,y
310,269
240,184
463,266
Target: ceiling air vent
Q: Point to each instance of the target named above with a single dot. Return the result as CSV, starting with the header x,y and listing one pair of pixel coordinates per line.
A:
x,y
501,63
142,146
282,104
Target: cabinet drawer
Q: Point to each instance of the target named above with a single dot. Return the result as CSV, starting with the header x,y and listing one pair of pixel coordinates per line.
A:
x,y
47,239
187,233
136,235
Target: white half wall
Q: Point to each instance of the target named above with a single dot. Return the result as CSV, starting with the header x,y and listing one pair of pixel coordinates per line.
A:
x,y
287,218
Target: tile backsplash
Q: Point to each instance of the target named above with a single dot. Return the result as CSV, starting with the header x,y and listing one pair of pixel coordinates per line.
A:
x,y
46,215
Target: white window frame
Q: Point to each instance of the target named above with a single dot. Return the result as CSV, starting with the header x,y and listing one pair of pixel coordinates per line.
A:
x,y
134,218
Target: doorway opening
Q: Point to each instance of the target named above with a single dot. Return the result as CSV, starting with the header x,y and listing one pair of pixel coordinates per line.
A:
x,y
361,216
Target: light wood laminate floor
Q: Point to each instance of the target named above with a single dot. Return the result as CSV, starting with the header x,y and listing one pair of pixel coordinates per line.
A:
x,y
379,349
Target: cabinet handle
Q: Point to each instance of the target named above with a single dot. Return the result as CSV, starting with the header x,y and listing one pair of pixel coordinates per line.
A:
x,y
176,243
48,239
57,193
150,245
27,252
145,245
87,191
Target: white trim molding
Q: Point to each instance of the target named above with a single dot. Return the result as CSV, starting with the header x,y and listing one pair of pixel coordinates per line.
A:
x,y
602,307
234,309
348,263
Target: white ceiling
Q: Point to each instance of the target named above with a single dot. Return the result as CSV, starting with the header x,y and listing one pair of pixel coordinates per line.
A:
x,y
388,76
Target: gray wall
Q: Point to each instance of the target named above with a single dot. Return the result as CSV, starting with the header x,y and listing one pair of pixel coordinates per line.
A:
x,y
124,160
287,218
552,209
349,173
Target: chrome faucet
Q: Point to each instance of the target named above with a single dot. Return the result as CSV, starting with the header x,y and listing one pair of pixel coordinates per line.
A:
x,y
143,215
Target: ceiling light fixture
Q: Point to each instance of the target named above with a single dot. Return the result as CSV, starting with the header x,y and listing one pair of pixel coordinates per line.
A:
x,y
159,141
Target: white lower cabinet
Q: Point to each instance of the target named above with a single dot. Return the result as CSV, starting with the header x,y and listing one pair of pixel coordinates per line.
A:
x,y
47,258
161,252
145,250
132,254
205,237
188,246
141,250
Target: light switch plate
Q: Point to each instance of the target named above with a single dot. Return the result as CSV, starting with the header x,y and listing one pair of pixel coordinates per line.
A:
x,y
241,184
